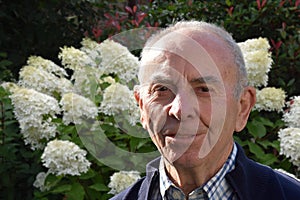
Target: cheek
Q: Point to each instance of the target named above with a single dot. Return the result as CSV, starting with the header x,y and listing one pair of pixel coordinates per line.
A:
x,y
214,113
153,121
154,117
205,112
224,116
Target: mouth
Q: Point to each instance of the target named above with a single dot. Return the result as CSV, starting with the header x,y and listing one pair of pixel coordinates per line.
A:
x,y
175,135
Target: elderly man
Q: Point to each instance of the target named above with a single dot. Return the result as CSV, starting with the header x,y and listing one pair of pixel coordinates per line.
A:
x,y
193,95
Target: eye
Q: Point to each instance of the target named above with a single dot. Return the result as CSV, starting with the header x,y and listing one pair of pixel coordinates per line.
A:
x,y
161,88
160,91
203,91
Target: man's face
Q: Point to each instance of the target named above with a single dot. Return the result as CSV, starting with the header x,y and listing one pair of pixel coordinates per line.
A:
x,y
187,103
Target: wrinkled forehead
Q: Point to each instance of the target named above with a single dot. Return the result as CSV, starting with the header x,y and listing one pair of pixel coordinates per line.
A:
x,y
185,53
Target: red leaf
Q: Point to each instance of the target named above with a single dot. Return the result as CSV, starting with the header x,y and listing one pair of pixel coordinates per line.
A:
x,y
140,17
107,15
129,10
258,4
97,32
134,9
261,5
276,45
281,3
230,10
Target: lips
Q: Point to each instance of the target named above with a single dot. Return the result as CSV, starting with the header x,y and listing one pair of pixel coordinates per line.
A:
x,y
179,136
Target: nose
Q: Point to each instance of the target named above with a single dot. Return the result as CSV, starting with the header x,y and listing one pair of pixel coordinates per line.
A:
x,y
182,107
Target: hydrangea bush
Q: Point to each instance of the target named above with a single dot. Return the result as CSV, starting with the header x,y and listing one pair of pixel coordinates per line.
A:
x,y
265,140
70,115
66,111
289,136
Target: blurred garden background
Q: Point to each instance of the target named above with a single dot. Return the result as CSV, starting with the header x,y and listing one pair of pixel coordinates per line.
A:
x,y
49,28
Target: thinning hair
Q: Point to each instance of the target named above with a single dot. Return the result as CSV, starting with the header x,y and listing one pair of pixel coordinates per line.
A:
x,y
200,26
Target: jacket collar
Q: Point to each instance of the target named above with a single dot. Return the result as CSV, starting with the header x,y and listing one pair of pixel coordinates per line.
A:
x,y
249,176
151,176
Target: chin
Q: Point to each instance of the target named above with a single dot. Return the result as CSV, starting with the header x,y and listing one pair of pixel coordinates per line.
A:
x,y
185,160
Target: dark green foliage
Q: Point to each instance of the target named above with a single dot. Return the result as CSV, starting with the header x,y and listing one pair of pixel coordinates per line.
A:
x,y
40,27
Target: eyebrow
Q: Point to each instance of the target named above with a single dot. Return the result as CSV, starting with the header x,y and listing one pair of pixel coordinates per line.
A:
x,y
206,79
159,78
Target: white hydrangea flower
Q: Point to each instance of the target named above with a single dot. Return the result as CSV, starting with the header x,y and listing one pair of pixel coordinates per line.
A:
x,y
270,99
108,79
75,59
258,60
121,180
65,158
292,116
118,99
43,81
35,112
118,59
40,181
290,144
47,65
76,108
86,80
10,86
92,49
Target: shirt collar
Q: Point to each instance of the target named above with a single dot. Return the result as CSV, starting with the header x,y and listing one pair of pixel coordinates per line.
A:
x,y
210,186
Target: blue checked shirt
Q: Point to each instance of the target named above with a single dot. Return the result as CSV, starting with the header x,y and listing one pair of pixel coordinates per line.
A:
x,y
216,188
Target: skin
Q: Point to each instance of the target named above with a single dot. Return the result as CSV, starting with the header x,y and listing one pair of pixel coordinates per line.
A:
x,y
188,107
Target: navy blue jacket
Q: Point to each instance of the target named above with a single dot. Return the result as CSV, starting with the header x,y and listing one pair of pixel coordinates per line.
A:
x,y
250,180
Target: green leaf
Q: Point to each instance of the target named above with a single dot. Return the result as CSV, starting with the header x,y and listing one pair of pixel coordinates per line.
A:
x,y
52,180
266,143
268,159
291,82
99,187
256,129
228,2
256,150
133,144
89,174
61,189
76,192
264,121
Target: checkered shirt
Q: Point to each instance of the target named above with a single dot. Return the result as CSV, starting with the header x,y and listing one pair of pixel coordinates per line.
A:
x,y
216,188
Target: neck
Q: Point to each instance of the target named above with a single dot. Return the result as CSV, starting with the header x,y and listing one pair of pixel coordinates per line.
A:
x,y
190,178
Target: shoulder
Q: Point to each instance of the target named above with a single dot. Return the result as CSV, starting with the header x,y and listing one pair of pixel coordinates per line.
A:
x,y
256,181
288,183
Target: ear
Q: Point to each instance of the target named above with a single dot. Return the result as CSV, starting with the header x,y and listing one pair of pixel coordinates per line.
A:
x,y
139,100
246,103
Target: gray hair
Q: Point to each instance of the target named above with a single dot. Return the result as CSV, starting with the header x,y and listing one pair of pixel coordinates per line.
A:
x,y
201,26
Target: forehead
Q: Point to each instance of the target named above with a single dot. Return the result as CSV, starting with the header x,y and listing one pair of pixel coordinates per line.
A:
x,y
190,54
